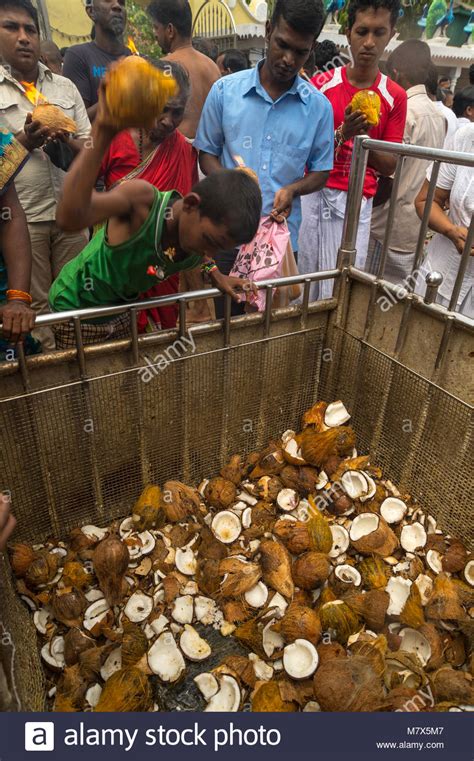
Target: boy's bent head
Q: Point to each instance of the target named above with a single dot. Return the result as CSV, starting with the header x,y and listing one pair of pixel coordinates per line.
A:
x,y
222,211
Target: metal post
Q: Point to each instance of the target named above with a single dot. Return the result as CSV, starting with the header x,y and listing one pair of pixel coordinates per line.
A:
x,y
462,266
360,157
433,281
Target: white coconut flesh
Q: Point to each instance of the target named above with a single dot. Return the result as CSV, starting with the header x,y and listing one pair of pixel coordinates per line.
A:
x,y
399,589
354,484
302,512
415,643
323,480
138,607
247,517
148,542
185,561
425,587
207,684
363,525
348,575
191,588
287,436
193,645
165,658
93,695
434,561
226,527
469,572
159,624
41,619
271,640
278,604
228,697
112,664
287,500
340,541
94,532
312,707
336,414
205,610
126,527
393,510
183,609
300,659
53,653
257,596
413,537
247,498
372,488
293,450
263,670
96,613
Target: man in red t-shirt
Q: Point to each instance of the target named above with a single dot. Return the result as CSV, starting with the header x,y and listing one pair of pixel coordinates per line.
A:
x,y
371,25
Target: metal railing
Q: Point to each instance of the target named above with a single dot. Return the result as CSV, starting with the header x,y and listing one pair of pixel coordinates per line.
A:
x,y
347,251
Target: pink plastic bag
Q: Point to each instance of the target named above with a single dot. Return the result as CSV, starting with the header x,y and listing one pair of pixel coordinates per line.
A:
x,y
262,258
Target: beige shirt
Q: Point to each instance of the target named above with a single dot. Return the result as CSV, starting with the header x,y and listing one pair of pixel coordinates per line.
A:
x,y
39,184
425,125
202,74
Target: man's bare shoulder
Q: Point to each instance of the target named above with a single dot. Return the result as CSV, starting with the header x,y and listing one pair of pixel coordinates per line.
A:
x,y
191,59
138,191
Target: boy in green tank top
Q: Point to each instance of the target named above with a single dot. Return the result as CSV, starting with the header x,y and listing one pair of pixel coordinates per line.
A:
x,y
148,234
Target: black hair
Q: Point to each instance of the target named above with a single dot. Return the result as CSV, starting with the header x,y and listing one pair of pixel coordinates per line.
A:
x,y
235,60
176,12
442,94
23,5
63,51
362,5
175,70
463,99
304,16
326,56
471,74
207,47
232,198
431,81
412,58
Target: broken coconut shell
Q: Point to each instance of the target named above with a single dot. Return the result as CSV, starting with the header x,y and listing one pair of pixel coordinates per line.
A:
x,y
276,567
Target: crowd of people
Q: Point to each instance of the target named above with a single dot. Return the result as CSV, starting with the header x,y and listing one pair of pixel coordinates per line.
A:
x,y
105,217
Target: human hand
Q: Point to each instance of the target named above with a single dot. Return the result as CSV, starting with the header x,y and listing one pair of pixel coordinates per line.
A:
x,y
33,135
7,521
231,285
458,236
355,123
18,319
282,204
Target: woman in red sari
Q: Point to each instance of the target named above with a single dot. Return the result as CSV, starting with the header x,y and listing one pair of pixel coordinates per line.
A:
x,y
164,158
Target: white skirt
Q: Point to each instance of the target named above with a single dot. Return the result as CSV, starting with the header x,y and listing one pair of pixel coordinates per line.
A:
x,y
321,235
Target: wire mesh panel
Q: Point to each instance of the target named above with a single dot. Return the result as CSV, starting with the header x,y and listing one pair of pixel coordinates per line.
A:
x,y
419,434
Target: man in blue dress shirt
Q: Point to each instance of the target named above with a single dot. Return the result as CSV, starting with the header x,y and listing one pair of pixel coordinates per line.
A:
x,y
280,125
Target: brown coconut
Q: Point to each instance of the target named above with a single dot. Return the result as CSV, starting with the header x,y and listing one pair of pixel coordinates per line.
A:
x,y
75,643
242,668
444,601
303,479
330,650
319,529
239,576
126,690
54,118
67,606
42,569
375,573
453,686
382,541
412,614
337,617
293,534
267,699
276,567
21,557
455,558
270,462
179,501
220,493
431,633
134,644
111,559
314,417
311,570
348,684
299,622
234,470
371,607
316,447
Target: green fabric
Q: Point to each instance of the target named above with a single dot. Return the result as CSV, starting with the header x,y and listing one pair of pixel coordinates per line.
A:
x,y
105,275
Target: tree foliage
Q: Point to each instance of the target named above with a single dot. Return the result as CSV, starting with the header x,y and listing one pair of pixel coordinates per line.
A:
x,y
141,30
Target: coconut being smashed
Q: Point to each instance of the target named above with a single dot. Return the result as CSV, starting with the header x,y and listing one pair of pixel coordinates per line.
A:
x,y
297,578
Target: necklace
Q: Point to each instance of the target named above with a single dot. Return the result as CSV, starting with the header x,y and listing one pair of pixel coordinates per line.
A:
x,y
140,143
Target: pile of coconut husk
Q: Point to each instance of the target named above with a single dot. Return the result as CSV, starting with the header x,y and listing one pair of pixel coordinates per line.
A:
x,y
326,588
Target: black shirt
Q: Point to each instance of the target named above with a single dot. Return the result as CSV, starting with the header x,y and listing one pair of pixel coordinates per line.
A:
x,y
85,65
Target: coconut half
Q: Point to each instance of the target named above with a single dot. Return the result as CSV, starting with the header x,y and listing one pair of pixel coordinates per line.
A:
x,y
257,596
393,510
300,659
93,695
193,645
207,684
399,590
354,484
271,640
413,537
469,572
53,653
323,480
226,526
228,698
185,561
348,575
205,610
293,452
94,532
126,528
96,613
340,540
183,608
434,561
415,643
138,607
41,619
372,488
425,587
278,605
336,414
263,671
287,500
165,658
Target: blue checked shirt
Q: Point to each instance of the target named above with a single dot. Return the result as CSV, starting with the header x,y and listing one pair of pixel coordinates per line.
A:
x,y
277,139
